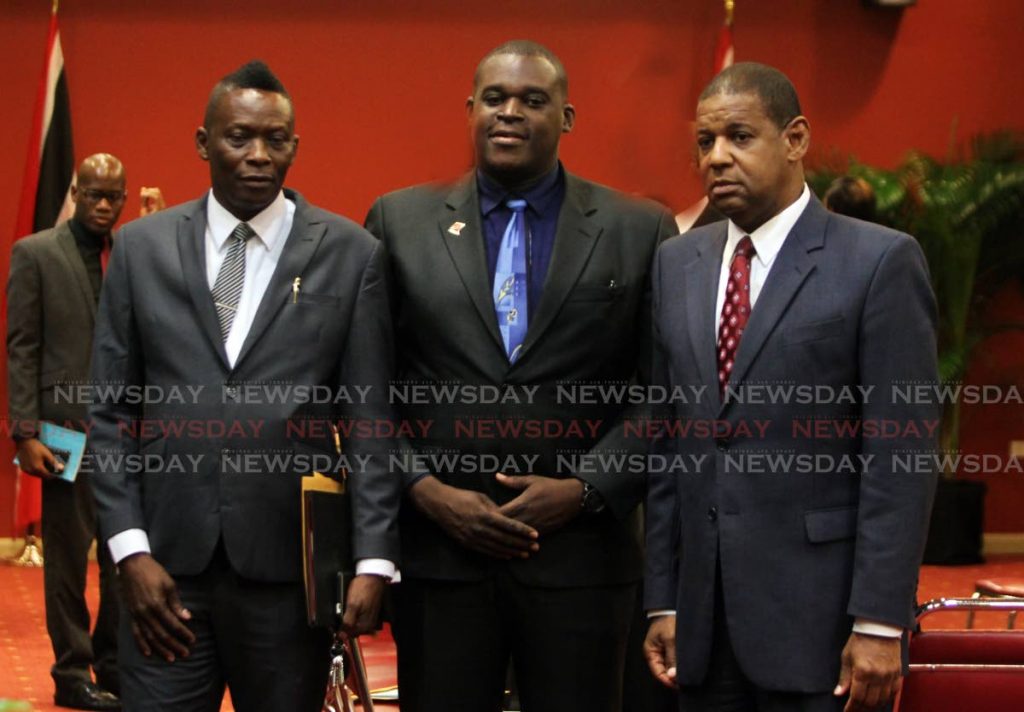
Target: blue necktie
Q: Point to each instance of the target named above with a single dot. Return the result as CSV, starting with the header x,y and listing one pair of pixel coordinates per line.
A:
x,y
510,282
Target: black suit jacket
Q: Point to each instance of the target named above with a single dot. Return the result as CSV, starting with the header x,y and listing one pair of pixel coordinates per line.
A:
x,y
591,326
806,534
157,327
51,310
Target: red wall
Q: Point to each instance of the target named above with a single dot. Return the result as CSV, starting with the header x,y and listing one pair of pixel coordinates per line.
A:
x,y
379,88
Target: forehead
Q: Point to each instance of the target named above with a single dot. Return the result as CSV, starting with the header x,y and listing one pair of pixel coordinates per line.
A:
x,y
102,177
513,71
726,108
252,106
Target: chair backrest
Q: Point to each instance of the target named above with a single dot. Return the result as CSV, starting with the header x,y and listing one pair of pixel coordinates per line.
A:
x,y
958,670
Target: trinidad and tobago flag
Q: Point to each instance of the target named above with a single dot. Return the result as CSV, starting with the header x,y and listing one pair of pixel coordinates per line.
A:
x,y
49,168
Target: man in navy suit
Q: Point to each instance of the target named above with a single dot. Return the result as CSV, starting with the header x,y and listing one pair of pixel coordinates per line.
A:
x,y
782,565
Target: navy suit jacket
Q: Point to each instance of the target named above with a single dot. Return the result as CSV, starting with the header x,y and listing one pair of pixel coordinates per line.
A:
x,y
807,534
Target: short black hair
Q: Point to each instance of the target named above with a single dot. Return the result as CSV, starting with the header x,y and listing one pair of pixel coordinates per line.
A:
x,y
526,48
254,74
777,93
852,196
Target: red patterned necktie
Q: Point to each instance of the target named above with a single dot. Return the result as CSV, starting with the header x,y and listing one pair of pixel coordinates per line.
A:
x,y
735,310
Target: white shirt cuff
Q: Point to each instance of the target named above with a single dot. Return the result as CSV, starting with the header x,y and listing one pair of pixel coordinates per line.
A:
x,y
130,541
376,567
659,612
882,630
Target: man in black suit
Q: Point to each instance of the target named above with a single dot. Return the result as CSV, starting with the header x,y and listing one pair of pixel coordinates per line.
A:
x,y
52,294
782,565
235,311
518,543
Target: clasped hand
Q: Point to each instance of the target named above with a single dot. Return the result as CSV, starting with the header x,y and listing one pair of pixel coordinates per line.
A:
x,y
510,531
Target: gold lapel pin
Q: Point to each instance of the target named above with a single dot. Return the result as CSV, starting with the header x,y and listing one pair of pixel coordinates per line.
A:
x,y
456,228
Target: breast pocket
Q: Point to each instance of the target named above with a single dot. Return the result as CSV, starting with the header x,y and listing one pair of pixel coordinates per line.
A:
x,y
596,293
815,330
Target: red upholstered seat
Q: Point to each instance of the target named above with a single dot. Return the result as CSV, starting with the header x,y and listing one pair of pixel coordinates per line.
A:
x,y
1000,587
964,670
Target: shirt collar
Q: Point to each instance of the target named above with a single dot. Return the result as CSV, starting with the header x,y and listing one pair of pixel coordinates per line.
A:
x,y
267,223
538,196
83,237
768,238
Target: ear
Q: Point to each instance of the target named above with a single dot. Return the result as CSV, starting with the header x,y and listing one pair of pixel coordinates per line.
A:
x,y
74,191
295,145
568,117
798,138
202,139
469,107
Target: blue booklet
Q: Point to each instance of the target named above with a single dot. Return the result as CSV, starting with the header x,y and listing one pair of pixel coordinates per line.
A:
x,y
67,445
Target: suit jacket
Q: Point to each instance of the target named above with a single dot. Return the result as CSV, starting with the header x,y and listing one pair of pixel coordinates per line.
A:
x,y
590,326
157,327
50,314
809,542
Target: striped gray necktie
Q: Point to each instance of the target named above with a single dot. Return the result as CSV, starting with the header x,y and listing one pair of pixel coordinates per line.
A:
x,y
227,290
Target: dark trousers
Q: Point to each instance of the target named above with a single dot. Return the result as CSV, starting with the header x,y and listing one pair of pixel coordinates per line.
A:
x,y
250,636
727,689
69,527
567,645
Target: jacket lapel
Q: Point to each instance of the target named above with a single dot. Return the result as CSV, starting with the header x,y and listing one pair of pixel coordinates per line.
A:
x,y
465,246
66,240
792,266
575,237
701,300
298,250
192,252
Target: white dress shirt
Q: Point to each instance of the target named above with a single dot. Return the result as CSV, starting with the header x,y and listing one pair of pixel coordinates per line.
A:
x,y
768,240
262,252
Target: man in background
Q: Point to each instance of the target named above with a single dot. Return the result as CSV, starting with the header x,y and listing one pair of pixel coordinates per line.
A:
x,y
782,567
521,277
52,294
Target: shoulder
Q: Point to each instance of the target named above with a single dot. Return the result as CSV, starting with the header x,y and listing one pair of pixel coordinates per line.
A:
x,y
692,242
338,227
40,241
866,243
159,225
610,199
425,196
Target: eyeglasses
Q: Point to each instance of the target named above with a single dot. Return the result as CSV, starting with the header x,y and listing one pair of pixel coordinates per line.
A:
x,y
113,197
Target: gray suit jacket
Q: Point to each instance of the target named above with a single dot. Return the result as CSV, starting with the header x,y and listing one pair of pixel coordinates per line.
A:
x,y
157,327
50,314
807,541
591,326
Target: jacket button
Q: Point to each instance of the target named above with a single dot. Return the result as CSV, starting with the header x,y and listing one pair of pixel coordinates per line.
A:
x,y
232,392
723,444
712,513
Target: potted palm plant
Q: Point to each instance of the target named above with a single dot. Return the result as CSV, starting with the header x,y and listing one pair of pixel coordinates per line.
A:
x,y
968,215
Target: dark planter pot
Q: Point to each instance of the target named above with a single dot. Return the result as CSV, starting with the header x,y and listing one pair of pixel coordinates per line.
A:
x,y
954,537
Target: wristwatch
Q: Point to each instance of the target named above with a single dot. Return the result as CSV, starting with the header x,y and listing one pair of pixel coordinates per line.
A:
x,y
591,502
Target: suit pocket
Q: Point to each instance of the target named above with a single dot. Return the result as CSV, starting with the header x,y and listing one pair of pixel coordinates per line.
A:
x,y
596,293
321,299
832,524
814,331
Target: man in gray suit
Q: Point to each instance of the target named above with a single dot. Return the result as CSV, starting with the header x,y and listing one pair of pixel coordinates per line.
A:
x,y
52,293
783,561
247,317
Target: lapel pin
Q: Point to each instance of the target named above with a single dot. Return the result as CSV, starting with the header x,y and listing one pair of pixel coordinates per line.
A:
x,y
456,228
